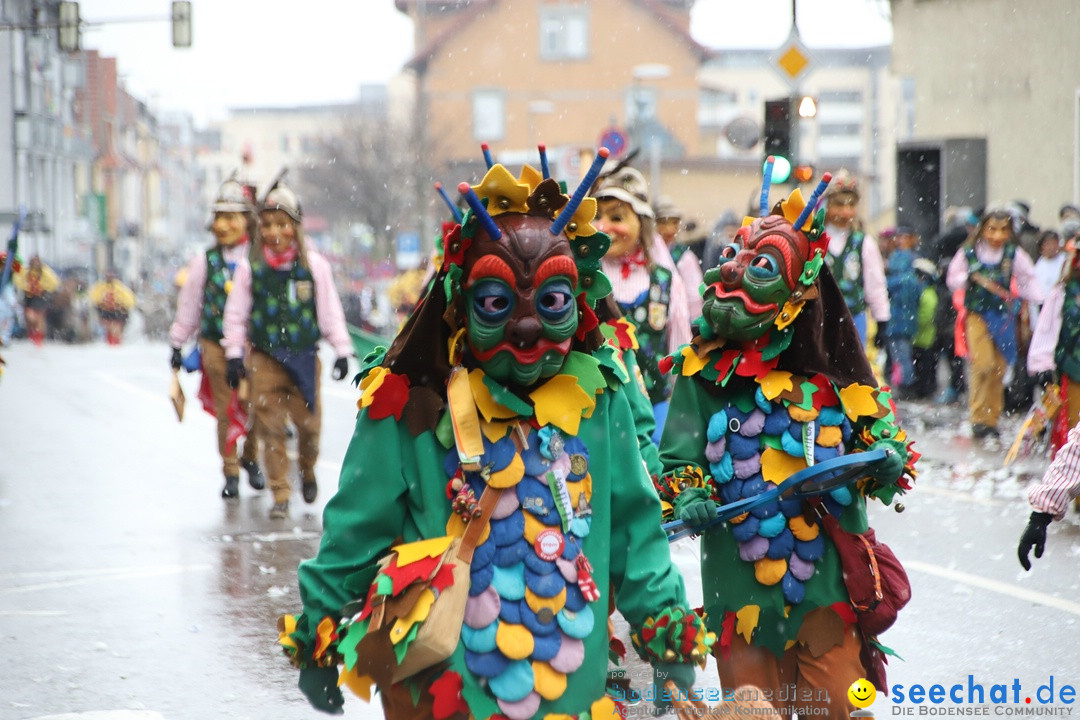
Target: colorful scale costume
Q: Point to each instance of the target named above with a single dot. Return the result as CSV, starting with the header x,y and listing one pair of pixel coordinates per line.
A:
x,y
577,520
775,381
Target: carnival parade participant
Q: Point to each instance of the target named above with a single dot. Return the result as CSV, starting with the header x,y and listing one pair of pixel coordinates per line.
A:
x,y
200,311
37,282
283,301
854,258
500,414
114,301
1050,497
647,286
985,267
669,228
776,380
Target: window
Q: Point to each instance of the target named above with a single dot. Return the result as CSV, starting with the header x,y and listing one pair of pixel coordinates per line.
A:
x,y
489,115
564,33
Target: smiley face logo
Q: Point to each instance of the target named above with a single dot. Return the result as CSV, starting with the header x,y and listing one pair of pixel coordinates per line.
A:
x,y
862,693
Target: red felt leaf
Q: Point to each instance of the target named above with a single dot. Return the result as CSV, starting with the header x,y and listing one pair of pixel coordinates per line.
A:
x,y
845,611
647,634
588,321
446,692
727,634
825,395
443,579
723,365
752,365
451,239
665,364
616,645
367,602
622,334
402,577
390,398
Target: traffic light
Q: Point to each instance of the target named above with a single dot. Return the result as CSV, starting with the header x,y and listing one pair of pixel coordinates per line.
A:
x,y
181,23
780,118
802,173
69,35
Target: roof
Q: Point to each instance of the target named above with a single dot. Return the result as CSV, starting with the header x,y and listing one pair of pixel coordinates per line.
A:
x,y
472,9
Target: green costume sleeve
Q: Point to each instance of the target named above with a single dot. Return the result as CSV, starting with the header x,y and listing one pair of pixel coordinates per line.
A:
x,y
643,577
360,522
683,442
644,420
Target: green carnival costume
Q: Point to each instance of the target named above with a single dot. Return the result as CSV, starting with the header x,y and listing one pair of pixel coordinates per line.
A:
x,y
775,380
508,338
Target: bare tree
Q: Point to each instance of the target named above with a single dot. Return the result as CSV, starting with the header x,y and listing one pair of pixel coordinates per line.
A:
x,y
366,174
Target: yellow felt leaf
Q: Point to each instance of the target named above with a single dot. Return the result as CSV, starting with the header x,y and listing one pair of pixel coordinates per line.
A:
x,y
776,382
504,192
560,402
793,206
371,382
530,176
777,466
510,475
359,685
287,626
514,641
533,527
454,345
768,571
485,402
789,644
583,486
858,400
549,683
746,619
494,431
324,634
463,415
411,552
582,219
419,613
803,530
692,364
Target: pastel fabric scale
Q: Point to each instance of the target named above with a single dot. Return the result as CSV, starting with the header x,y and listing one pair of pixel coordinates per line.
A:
x,y
526,615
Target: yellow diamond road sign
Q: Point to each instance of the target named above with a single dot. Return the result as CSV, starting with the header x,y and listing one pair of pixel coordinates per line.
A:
x,y
792,60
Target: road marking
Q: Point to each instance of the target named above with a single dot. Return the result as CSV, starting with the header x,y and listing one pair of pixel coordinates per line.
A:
x,y
997,586
160,399
119,574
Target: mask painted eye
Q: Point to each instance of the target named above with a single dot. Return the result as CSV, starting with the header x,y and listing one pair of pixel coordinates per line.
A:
x,y
728,252
555,300
763,267
492,301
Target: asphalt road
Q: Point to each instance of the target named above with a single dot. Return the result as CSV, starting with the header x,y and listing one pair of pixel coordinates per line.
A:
x,y
129,590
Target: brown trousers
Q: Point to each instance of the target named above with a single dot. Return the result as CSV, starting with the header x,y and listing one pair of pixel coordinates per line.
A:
x,y
213,359
275,399
986,374
797,679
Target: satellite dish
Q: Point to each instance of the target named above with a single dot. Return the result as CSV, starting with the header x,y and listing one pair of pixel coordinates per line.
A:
x,y
743,132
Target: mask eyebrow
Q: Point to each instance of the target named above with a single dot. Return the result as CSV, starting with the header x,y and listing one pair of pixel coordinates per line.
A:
x,y
558,265
491,266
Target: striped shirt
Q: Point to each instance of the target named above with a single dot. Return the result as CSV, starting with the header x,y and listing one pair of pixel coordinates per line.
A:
x,y
1061,483
628,289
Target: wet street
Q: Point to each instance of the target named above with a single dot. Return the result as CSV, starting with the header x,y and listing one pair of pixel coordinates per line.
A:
x,y
130,590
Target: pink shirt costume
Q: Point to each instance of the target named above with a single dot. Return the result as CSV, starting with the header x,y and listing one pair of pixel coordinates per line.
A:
x,y
627,289
1023,273
189,304
1061,483
873,266
328,310
689,268
1047,329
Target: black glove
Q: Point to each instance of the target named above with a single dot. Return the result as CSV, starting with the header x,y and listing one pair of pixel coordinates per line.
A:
x,y
341,367
234,370
1034,536
176,361
1044,378
881,334
319,685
